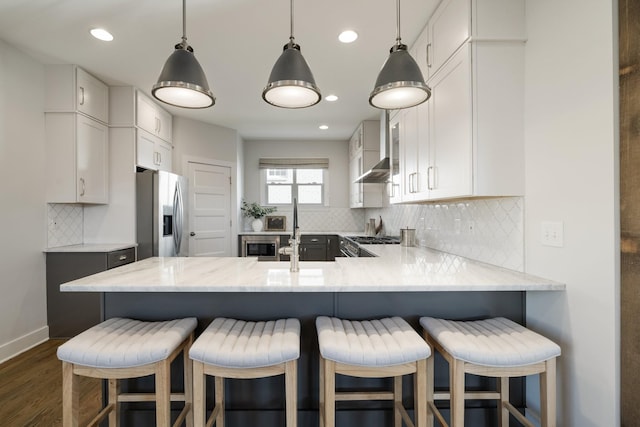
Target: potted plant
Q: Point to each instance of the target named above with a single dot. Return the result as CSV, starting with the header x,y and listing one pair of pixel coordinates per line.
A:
x,y
255,211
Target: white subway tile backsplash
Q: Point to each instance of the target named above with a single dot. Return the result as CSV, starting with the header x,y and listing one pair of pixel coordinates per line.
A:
x,y
64,224
489,230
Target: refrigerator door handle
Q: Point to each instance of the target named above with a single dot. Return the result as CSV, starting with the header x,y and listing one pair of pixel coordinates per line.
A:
x,y
178,211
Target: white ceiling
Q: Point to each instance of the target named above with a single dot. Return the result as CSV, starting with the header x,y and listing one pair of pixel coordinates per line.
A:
x,y
236,42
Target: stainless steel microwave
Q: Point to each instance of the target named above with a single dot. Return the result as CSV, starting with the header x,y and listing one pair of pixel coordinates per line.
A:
x,y
265,248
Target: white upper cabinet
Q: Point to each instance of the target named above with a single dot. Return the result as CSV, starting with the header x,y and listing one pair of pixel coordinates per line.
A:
x,y
455,22
153,126
77,153
152,118
467,140
77,137
448,28
71,89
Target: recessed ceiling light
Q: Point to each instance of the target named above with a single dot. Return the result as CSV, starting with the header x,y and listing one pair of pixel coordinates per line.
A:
x,y
331,98
348,36
101,34
323,127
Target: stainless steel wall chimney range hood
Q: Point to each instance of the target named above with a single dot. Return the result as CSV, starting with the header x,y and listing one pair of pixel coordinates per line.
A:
x,y
379,173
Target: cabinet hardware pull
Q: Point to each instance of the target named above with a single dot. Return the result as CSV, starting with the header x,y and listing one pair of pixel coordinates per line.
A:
x,y
82,186
81,95
430,173
122,257
429,55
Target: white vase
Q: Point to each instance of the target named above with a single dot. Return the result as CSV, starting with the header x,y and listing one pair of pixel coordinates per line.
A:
x,y
256,224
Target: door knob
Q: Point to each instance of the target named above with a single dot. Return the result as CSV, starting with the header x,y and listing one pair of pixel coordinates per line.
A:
x,y
192,234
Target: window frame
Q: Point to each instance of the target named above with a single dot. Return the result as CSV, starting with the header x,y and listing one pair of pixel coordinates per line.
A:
x,y
324,192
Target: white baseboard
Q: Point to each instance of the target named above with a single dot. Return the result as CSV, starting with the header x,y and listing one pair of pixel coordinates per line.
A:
x,y
23,343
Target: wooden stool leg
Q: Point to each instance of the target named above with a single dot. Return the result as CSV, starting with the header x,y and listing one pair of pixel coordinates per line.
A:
x,y
321,396
291,392
420,394
114,391
329,393
503,412
456,374
70,396
199,395
397,401
430,389
163,394
188,380
219,400
548,394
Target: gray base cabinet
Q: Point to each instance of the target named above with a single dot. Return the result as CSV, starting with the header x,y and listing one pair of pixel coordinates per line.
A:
x,y
69,313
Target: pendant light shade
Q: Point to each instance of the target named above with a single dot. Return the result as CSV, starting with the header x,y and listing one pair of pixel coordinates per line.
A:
x,y
400,83
291,83
182,82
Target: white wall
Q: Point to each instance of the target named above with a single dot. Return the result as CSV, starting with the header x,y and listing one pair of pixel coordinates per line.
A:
x,y
198,139
336,151
23,315
571,176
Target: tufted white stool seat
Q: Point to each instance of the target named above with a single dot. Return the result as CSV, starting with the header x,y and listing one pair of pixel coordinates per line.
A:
x,y
496,347
379,348
121,348
231,348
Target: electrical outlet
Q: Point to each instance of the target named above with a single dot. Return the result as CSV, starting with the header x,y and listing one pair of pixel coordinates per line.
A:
x,y
551,233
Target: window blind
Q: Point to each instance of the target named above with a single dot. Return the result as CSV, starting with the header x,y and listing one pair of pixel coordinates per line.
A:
x,y
291,163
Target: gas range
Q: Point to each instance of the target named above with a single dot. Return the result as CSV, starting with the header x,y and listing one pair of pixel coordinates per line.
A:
x,y
350,245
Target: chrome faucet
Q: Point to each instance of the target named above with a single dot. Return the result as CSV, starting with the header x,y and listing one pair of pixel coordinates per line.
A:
x,y
293,250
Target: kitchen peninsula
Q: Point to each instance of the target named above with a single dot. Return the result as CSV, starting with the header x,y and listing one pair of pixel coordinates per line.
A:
x,y
403,281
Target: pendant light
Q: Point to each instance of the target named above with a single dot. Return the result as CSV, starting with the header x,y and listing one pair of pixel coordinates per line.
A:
x,y
291,83
182,82
400,83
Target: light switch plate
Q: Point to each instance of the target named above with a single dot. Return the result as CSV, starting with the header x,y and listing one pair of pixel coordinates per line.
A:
x,y
552,233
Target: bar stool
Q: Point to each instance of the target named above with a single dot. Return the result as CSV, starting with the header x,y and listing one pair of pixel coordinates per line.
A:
x,y
121,348
498,348
382,348
231,348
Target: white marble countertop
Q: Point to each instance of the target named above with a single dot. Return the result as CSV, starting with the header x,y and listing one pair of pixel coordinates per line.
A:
x,y
98,247
396,269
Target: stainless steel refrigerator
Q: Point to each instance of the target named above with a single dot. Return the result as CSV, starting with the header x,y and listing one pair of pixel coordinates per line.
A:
x,y
161,211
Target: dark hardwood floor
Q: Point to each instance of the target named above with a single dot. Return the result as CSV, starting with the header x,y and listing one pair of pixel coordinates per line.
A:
x,y
31,389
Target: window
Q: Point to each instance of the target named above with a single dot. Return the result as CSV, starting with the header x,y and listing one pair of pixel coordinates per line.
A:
x,y
303,179
283,185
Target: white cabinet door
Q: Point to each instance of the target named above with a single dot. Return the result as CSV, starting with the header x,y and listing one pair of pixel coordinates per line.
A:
x,y
450,119
152,118
92,96
163,152
152,152
92,161
409,150
449,28
395,134
77,159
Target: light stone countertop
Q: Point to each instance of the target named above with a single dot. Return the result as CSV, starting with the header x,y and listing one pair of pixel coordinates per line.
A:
x,y
90,247
396,269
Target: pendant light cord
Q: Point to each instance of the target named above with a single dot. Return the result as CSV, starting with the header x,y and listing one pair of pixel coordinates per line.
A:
x,y
291,38
398,39
184,24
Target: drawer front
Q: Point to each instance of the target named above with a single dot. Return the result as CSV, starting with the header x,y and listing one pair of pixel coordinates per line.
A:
x,y
121,257
314,239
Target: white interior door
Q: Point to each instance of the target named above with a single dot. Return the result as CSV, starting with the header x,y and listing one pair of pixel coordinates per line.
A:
x,y
209,210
